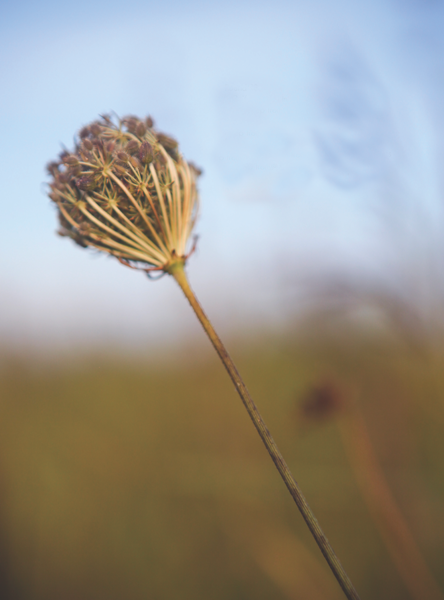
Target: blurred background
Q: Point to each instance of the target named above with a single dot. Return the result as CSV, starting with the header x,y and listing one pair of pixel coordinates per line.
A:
x,y
128,468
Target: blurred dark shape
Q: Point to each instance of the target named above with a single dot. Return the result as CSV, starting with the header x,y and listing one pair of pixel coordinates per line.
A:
x,y
323,401
8,590
6,585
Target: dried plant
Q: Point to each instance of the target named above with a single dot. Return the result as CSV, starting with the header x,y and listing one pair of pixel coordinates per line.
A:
x,y
330,399
126,190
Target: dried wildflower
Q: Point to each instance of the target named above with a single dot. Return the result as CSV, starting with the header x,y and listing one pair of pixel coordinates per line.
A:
x,y
126,190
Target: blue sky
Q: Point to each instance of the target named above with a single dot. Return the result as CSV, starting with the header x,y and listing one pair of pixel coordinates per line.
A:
x,y
319,127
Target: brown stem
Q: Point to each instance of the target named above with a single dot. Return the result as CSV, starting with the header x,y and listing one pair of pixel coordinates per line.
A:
x,y
176,269
392,526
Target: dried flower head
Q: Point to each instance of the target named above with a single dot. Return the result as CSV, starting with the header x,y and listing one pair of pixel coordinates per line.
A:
x,y
126,190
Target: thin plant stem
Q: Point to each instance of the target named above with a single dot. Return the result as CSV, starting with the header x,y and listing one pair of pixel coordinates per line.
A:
x,y
392,526
286,560
176,269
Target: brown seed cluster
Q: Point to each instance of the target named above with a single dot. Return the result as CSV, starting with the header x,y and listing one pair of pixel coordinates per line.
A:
x,y
126,190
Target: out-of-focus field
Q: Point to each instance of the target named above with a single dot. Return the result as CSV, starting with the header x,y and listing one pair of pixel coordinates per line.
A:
x,y
135,479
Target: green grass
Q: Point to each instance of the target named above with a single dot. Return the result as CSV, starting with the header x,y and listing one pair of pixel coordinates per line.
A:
x,y
125,480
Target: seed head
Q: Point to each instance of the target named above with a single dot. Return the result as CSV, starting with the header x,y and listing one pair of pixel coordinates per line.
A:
x,y
126,190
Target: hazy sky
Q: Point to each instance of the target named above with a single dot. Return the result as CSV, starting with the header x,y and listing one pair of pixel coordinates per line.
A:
x,y
319,126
